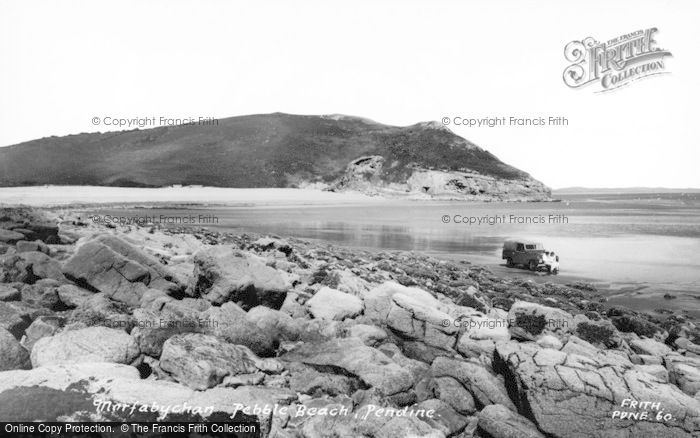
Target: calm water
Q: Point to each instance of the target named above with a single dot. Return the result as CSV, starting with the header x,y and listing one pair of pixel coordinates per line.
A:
x,y
642,245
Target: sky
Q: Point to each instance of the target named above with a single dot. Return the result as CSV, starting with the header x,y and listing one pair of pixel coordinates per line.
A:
x,y
396,62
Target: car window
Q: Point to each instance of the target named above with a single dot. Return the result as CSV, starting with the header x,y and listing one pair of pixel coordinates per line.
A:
x,y
520,247
530,246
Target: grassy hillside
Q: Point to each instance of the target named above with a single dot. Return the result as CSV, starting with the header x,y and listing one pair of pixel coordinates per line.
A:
x,y
270,150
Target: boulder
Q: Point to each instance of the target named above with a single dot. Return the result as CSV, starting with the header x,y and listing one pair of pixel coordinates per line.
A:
x,y
411,319
12,354
658,371
378,300
484,386
306,380
329,303
369,334
153,328
124,273
444,418
484,327
92,344
567,394
222,273
28,267
15,318
73,296
43,293
9,293
649,347
42,327
279,325
37,245
231,323
345,281
500,422
351,356
454,394
684,372
203,361
100,310
549,341
7,236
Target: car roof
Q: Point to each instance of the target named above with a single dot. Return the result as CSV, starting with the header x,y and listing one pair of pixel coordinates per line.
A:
x,y
524,242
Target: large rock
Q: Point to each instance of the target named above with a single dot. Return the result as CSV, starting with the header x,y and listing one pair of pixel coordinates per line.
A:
x,y
203,361
28,267
454,394
649,347
684,372
9,293
412,319
231,323
153,328
329,303
15,318
222,273
100,310
92,344
12,353
43,293
351,356
110,265
445,418
279,325
7,236
500,422
37,245
378,301
42,327
345,281
73,296
306,380
571,395
484,386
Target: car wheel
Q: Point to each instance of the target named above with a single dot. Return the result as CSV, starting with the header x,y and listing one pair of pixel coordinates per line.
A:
x,y
509,262
555,272
533,265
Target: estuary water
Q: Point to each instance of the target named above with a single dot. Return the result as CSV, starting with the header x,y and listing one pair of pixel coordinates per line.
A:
x,y
644,249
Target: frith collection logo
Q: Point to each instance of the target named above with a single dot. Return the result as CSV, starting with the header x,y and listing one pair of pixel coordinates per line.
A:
x,y
614,63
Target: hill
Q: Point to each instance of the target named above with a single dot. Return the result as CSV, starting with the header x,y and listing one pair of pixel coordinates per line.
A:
x,y
274,150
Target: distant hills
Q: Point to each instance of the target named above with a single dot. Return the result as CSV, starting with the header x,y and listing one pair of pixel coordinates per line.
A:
x,y
623,190
275,150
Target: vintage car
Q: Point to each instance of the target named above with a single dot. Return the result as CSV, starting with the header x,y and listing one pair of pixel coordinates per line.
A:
x,y
530,254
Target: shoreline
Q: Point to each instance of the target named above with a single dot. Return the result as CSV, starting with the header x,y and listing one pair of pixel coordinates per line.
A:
x,y
85,196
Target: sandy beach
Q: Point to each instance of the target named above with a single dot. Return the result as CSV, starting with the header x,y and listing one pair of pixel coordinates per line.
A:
x,y
51,196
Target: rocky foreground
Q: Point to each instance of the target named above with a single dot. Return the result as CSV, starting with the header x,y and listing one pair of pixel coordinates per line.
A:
x,y
140,323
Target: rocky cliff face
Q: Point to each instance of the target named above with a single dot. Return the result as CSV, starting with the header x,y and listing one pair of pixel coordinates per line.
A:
x,y
276,150
368,175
